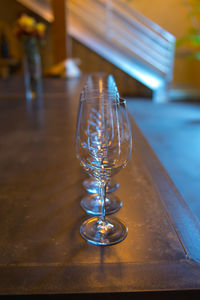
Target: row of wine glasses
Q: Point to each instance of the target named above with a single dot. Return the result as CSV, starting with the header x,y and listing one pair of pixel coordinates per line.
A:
x,y
103,146
103,84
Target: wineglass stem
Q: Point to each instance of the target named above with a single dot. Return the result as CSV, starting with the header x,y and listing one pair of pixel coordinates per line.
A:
x,y
103,200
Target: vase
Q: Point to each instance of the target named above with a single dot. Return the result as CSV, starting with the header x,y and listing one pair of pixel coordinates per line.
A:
x,y
32,69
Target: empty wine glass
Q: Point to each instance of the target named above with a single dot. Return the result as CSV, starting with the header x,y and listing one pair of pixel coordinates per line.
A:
x,y
103,146
92,203
100,82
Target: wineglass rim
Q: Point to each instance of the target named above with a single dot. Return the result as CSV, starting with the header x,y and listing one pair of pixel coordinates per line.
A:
x,y
111,89
89,90
94,99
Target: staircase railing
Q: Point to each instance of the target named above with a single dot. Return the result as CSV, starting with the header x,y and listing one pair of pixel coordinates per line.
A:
x,y
127,29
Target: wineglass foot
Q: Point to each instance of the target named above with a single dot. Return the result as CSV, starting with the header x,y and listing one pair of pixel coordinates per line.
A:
x,y
110,231
92,186
92,204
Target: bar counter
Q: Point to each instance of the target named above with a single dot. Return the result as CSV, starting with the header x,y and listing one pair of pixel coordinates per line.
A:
x,y
41,250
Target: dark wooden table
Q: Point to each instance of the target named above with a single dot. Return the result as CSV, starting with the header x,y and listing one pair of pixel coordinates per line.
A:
x,y
41,250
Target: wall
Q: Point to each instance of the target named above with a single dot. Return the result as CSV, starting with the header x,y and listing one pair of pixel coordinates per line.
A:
x,y
172,15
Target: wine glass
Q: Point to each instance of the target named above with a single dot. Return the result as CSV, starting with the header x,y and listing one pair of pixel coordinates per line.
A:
x,y
92,203
103,146
100,82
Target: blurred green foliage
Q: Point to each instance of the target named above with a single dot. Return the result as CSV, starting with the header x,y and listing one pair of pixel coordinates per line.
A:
x,y
192,38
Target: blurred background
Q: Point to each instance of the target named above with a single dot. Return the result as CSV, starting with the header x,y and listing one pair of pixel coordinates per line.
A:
x,y
90,26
